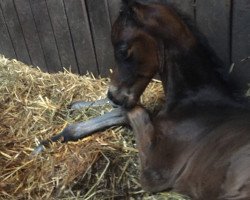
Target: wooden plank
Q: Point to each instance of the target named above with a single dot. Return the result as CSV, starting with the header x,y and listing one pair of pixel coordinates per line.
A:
x,y
114,8
101,30
241,42
6,47
30,33
15,30
213,19
46,35
81,35
62,34
186,6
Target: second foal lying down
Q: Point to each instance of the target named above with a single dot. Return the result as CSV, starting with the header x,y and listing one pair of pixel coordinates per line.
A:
x,y
199,143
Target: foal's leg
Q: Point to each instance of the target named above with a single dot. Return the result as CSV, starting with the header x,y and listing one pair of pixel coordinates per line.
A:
x,y
81,130
144,132
86,104
237,180
148,146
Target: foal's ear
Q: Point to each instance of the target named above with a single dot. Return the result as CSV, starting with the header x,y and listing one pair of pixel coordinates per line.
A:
x,y
137,9
146,14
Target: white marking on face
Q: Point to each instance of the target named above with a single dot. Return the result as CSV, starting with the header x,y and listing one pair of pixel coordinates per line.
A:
x,y
113,89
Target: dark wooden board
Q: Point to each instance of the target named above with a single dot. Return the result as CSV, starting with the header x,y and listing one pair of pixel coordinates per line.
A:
x,y
30,33
15,30
241,42
114,7
81,35
6,47
186,6
213,19
46,35
101,30
62,34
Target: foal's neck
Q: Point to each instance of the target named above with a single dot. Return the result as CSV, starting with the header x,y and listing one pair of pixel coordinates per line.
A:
x,y
191,76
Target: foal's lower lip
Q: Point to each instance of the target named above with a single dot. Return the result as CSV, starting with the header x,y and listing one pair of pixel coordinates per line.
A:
x,y
113,104
112,101
117,105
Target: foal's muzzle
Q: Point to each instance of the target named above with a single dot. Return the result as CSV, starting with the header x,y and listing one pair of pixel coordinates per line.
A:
x,y
121,97
112,99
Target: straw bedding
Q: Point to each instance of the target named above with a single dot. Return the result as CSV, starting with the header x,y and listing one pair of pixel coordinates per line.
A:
x,y
34,106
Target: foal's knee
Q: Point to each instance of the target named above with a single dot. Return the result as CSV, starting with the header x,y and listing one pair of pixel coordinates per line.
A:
x,y
152,180
237,180
138,117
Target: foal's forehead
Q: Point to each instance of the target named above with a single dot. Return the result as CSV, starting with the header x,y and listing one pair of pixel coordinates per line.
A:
x,y
129,33
125,29
124,33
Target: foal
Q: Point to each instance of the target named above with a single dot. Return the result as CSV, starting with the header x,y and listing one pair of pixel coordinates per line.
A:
x,y
199,143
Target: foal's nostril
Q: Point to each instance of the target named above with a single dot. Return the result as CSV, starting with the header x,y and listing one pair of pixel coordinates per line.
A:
x,y
110,96
113,99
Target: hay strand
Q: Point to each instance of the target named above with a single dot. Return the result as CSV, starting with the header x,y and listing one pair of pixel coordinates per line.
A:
x,y
34,107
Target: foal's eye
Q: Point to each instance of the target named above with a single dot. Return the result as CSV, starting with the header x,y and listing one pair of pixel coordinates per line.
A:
x,y
122,52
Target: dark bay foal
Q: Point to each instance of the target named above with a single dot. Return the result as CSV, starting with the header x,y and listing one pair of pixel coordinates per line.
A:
x,y
199,143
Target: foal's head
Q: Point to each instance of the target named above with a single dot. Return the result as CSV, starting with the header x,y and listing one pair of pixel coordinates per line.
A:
x,y
137,37
136,55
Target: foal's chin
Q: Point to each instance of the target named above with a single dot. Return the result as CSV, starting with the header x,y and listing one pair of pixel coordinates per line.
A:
x,y
125,100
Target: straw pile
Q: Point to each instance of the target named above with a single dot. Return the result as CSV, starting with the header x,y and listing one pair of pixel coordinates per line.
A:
x,y
34,106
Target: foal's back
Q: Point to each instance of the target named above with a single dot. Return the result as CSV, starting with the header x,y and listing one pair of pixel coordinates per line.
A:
x,y
212,145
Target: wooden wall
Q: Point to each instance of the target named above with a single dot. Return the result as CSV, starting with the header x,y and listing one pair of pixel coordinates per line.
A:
x,y
57,34
53,34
